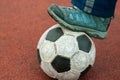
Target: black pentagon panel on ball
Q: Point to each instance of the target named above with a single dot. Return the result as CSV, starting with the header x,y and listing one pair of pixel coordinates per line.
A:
x,y
61,64
85,71
38,55
54,34
84,43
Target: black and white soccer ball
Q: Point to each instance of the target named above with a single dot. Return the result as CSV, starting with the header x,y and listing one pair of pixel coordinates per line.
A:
x,y
64,54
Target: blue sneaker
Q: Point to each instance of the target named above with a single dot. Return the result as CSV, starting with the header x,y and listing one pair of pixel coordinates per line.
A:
x,y
77,20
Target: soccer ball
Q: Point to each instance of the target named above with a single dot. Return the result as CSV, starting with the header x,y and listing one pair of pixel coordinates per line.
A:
x,y
64,54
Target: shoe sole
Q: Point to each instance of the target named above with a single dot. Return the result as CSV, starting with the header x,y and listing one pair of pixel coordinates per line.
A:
x,y
90,32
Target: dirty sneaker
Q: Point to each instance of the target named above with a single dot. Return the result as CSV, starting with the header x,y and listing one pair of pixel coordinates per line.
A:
x,y
77,20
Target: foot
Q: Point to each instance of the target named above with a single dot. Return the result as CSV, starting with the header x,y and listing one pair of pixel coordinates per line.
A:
x,y
77,20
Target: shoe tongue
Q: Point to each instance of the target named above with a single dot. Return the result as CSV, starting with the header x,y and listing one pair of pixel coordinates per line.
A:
x,y
75,7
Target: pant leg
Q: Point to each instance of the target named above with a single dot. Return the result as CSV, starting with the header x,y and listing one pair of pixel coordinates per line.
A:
x,y
102,8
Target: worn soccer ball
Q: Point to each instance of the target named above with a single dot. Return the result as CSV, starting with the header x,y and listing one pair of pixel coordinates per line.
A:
x,y
64,54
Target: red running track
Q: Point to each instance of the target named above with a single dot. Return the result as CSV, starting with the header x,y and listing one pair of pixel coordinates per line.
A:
x,y
22,22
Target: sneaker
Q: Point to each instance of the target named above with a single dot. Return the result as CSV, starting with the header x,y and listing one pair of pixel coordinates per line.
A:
x,y
77,20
